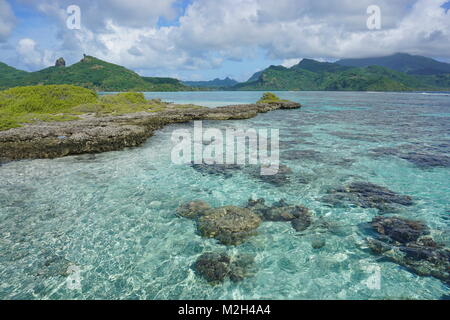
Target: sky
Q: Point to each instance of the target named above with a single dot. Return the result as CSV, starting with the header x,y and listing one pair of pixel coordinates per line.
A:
x,y
207,39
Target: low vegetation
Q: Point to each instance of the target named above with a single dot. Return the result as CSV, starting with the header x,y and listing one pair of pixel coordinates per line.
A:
x,y
269,97
30,104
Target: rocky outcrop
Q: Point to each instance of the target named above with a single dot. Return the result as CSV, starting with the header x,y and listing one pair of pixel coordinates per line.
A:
x,y
408,243
399,229
282,177
217,267
422,156
367,195
60,62
299,216
230,225
224,170
100,134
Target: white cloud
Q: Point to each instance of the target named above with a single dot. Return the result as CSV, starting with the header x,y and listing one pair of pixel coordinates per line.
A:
x,y
31,55
211,32
7,20
290,62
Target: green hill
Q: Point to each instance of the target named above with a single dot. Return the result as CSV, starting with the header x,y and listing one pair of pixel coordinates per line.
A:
x,y
317,76
10,75
94,74
403,62
216,83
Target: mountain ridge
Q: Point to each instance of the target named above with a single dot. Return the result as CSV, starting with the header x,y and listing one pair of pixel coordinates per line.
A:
x,y
403,62
216,83
313,75
308,74
91,73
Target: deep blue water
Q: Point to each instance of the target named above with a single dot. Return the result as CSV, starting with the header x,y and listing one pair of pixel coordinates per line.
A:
x,y
113,215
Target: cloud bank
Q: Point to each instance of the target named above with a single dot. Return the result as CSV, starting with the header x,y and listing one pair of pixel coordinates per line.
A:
x,y
207,33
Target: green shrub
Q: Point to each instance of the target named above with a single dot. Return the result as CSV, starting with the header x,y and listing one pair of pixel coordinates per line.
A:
x,y
269,97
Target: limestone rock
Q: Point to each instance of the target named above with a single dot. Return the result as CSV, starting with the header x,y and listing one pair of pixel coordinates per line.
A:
x,y
60,62
230,225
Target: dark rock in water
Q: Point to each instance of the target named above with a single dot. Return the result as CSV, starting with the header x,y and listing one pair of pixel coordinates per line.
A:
x,y
299,216
60,62
281,178
301,155
301,224
230,225
345,163
214,267
357,136
279,211
425,160
318,243
54,266
372,192
225,170
217,267
399,229
422,156
241,267
367,195
193,209
407,243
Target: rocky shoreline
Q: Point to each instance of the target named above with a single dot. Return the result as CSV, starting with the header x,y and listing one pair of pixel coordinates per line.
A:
x,y
110,133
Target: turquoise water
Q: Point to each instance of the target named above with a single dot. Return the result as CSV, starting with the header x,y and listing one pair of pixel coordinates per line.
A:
x,y
113,215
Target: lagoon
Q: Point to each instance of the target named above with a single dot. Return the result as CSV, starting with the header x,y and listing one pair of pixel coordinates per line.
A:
x,y
113,217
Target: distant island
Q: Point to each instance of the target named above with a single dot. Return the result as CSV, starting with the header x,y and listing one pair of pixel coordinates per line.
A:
x,y
91,73
398,72
216,83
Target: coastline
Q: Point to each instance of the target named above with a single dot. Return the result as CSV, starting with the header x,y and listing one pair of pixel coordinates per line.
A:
x,y
111,133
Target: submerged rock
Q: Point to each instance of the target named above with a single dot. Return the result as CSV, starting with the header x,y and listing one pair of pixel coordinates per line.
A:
x,y
299,216
302,223
281,178
318,242
407,243
53,266
367,195
399,229
301,155
426,160
421,156
214,267
225,170
217,267
193,209
230,225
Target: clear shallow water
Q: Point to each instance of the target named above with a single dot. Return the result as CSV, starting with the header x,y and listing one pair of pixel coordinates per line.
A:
x,y
113,215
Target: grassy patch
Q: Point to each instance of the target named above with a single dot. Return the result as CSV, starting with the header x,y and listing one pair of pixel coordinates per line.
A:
x,y
44,99
65,103
40,103
124,98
